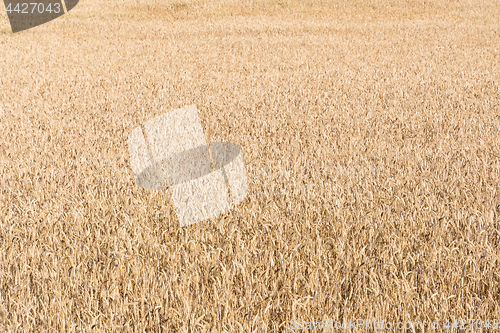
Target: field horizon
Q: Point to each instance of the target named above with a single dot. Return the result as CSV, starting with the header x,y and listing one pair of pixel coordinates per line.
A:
x,y
370,136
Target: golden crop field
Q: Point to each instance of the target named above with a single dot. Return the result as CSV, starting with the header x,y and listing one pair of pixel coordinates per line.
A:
x,y
370,131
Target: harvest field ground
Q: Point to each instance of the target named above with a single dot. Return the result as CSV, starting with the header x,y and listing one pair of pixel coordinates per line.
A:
x,y
370,132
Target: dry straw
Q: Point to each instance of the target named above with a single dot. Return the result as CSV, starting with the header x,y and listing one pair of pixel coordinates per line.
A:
x,y
370,132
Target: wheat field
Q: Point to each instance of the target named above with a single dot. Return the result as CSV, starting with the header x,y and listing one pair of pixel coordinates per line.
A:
x,y
370,135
